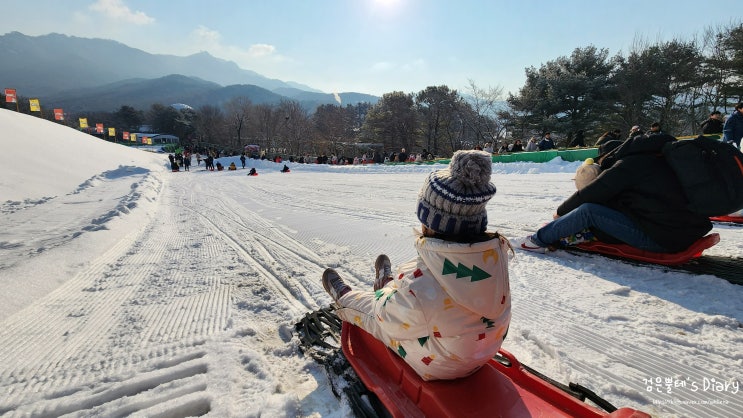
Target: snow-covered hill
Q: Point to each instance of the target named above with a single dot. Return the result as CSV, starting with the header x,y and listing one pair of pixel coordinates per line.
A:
x,y
126,289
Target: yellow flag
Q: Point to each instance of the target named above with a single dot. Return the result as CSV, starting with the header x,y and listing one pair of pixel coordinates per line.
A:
x,y
111,131
34,104
133,137
83,123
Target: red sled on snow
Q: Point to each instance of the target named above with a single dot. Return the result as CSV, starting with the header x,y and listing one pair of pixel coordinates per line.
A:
x,y
501,388
666,259
727,218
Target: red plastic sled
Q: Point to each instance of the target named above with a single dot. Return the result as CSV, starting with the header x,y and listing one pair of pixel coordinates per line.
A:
x,y
496,390
666,259
727,218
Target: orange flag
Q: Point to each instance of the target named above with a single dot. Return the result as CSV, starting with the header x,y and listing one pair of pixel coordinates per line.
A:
x,y
99,128
125,136
58,114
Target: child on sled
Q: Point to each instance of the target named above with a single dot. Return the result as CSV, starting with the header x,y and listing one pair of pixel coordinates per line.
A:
x,y
447,311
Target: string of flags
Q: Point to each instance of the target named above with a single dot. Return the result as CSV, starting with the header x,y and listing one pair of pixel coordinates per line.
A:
x,y
34,104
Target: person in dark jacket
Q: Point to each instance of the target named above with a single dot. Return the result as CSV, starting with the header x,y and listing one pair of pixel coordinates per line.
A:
x,y
637,200
608,136
732,131
655,129
634,131
713,125
546,142
579,140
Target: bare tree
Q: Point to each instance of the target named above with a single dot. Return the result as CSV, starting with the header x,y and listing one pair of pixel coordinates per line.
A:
x,y
486,103
294,130
209,124
237,111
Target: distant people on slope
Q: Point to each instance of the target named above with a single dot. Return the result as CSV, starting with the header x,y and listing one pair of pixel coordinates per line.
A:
x,y
713,124
634,131
285,169
654,129
732,131
546,143
232,166
252,172
173,163
517,146
579,140
608,136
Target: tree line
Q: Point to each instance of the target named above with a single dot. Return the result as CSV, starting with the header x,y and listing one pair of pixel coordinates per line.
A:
x,y
676,83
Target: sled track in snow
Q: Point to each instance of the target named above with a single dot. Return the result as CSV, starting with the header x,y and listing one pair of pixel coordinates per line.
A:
x,y
180,387
151,342
636,357
260,251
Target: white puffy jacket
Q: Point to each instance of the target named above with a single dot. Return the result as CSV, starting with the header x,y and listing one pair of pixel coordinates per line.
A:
x,y
446,312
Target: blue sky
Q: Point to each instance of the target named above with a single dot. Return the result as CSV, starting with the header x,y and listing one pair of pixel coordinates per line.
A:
x,y
373,46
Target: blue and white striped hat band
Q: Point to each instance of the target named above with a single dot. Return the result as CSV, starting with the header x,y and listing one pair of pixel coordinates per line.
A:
x,y
453,201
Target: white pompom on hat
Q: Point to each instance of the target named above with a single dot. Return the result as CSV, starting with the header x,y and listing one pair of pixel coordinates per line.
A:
x,y
452,200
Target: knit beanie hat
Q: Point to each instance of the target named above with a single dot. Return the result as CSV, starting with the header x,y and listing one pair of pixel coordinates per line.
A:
x,y
452,200
586,173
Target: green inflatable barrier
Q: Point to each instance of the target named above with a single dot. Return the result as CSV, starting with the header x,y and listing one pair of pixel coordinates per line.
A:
x,y
578,154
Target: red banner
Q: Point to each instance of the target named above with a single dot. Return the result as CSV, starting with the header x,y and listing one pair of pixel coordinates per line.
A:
x,y
99,128
10,96
58,114
125,136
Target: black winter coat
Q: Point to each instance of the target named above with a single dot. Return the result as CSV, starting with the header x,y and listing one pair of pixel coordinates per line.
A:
x,y
641,185
712,126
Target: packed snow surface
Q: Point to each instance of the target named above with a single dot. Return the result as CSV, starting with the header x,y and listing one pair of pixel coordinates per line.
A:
x,y
127,289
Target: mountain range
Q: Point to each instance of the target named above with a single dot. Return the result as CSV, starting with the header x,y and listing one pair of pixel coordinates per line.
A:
x,y
84,74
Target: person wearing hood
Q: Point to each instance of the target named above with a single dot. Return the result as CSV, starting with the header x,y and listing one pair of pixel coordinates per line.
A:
x,y
447,311
732,130
636,200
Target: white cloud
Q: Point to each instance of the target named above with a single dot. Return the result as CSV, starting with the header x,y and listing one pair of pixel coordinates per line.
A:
x,y
261,50
206,35
116,9
211,40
